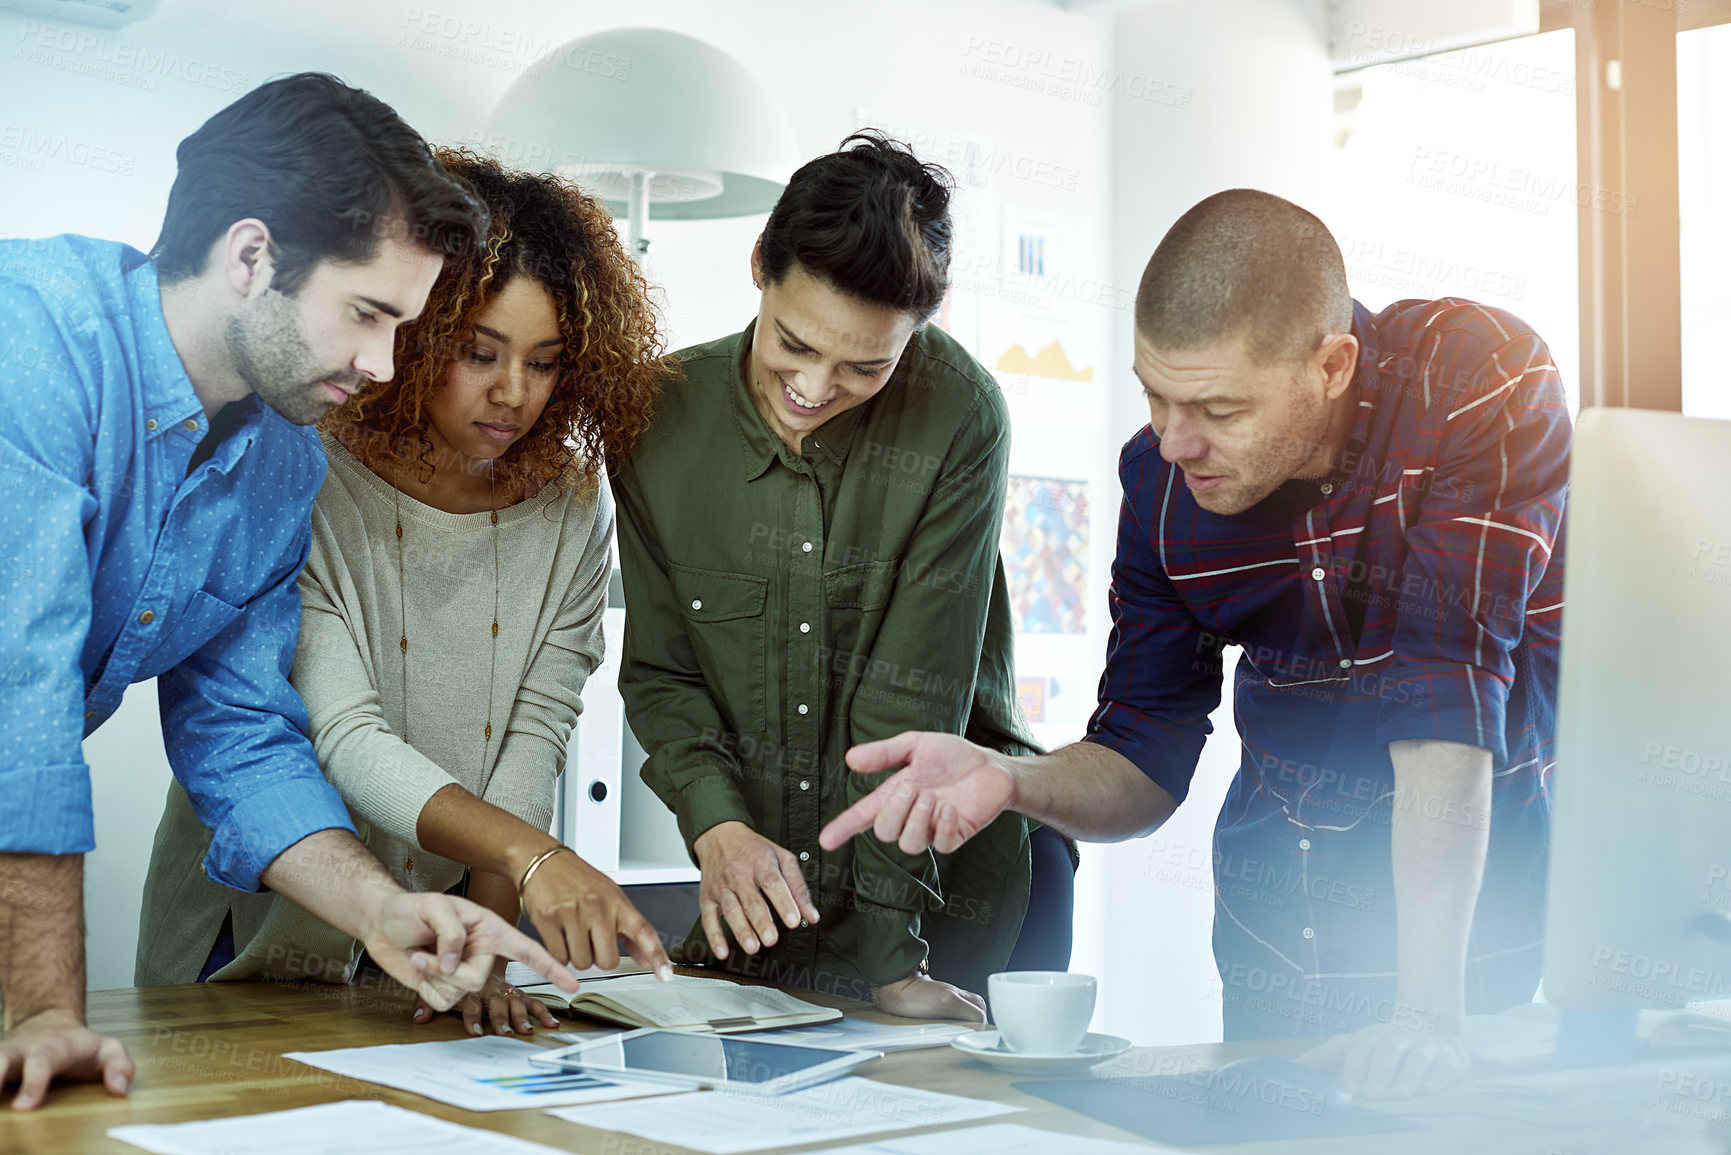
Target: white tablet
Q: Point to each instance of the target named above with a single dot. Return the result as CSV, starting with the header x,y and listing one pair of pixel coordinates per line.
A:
x,y
728,1062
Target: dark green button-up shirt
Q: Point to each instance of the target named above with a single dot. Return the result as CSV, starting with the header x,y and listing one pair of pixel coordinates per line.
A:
x,y
782,607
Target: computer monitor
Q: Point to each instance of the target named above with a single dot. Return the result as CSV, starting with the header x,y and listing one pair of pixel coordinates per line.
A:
x,y
1640,865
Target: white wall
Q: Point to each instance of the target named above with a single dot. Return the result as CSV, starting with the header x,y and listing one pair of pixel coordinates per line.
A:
x,y
129,780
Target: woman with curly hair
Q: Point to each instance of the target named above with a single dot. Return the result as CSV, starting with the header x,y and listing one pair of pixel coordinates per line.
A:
x,y
452,602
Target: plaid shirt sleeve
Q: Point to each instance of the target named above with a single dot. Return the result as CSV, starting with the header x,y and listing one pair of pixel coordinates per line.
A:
x,y
1163,671
1480,530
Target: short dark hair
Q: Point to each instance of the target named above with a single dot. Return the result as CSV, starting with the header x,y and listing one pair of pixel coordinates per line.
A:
x,y
871,220
1245,263
328,168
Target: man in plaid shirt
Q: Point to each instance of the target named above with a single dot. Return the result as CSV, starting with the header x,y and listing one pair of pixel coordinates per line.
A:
x,y
1371,507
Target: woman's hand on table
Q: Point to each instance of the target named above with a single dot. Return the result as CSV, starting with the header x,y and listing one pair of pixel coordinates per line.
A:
x,y
56,1044
748,881
920,996
582,914
499,1003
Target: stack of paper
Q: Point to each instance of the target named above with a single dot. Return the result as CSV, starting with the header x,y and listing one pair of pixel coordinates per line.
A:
x,y
994,1139
726,1123
487,1073
329,1128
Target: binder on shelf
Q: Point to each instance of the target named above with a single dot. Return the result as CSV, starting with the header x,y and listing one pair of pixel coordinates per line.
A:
x,y
596,752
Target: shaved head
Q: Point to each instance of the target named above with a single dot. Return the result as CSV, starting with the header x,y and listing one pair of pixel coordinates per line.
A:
x,y
1247,265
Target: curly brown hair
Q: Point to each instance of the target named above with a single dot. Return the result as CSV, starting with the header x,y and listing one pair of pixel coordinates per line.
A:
x,y
546,228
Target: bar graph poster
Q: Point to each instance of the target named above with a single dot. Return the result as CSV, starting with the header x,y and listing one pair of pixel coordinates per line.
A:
x,y
1046,554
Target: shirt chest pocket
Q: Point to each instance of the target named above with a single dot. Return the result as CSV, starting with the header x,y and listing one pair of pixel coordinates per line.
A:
x,y
204,617
855,597
865,586
724,621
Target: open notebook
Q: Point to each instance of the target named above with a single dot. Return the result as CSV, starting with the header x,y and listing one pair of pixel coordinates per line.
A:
x,y
708,1006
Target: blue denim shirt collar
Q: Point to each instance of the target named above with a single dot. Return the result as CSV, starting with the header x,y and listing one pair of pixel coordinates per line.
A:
x,y
169,398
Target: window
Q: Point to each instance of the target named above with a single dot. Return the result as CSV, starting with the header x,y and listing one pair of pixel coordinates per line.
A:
x,y
1455,175
1704,201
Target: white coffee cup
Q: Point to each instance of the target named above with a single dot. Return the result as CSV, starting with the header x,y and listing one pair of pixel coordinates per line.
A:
x,y
1041,1012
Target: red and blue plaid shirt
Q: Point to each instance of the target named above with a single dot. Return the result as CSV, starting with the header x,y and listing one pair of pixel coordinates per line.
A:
x,y
1414,593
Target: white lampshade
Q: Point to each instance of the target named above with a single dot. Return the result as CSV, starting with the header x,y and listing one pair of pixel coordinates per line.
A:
x,y
698,133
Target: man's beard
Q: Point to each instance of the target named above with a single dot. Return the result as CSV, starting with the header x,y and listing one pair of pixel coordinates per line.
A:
x,y
271,355
1275,462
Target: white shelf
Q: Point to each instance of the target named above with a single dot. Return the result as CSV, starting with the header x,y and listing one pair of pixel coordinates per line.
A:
x,y
634,872
606,813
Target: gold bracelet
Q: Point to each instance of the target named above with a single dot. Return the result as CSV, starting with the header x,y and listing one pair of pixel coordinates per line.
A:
x,y
530,870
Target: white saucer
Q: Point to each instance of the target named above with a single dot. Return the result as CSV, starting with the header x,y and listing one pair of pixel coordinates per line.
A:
x,y
988,1048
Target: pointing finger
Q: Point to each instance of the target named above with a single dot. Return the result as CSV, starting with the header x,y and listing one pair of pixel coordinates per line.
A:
x,y
884,754
854,820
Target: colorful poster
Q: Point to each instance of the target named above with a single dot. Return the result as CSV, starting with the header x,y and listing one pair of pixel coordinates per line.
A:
x,y
1046,554
1031,694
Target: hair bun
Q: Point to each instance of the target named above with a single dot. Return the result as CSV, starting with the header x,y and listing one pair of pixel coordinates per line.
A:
x,y
871,219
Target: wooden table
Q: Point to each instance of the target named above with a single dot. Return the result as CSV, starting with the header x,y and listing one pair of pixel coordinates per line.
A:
x,y
213,1050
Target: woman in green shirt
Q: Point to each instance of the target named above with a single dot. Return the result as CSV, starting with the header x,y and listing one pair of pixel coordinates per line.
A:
x,y
808,535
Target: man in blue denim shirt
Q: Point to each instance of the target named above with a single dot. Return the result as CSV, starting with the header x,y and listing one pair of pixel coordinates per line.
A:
x,y
156,477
